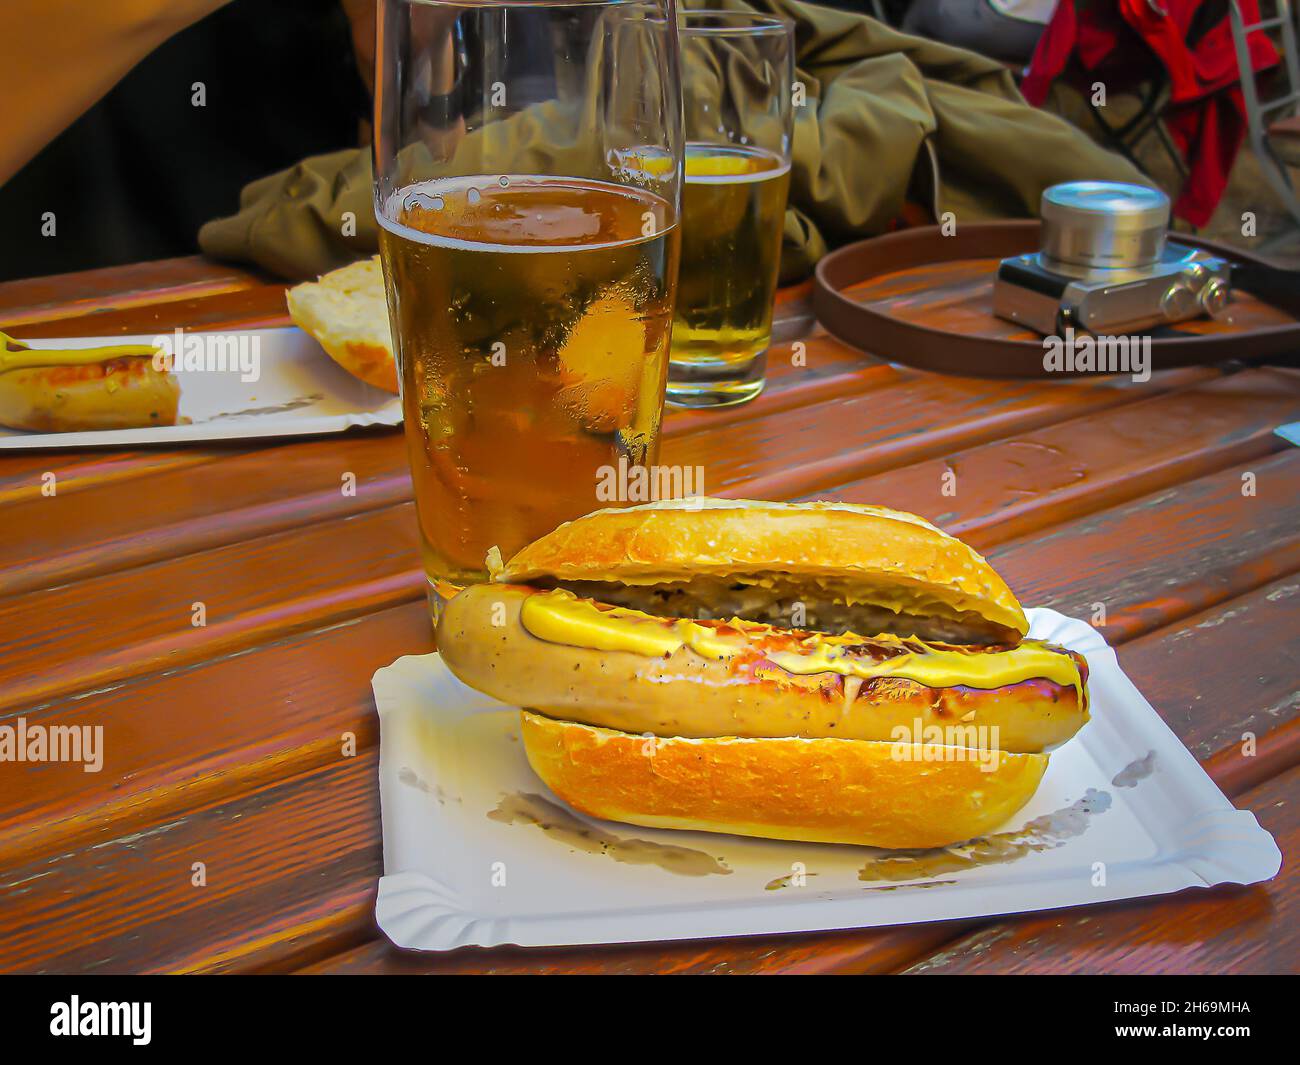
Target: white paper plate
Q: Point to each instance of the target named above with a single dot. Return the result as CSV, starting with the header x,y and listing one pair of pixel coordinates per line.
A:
x,y
1145,820
301,391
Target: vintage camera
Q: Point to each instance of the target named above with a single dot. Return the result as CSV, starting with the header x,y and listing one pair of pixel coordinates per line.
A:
x,y
1105,266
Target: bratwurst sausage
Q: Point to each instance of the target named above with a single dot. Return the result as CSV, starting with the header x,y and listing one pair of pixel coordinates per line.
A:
x,y
571,658
117,393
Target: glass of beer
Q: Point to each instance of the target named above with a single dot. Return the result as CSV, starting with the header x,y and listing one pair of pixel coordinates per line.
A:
x,y
528,171
738,76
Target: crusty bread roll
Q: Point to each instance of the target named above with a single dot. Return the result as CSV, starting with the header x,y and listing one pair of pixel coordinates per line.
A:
x,y
347,312
865,565
820,791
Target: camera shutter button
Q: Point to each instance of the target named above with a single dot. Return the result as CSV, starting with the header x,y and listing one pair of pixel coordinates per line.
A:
x,y
1178,302
1214,297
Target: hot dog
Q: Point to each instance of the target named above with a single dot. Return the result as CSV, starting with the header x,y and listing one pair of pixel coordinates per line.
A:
x,y
860,649
60,391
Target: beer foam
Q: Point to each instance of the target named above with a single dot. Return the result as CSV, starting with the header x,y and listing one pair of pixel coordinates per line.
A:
x,y
440,189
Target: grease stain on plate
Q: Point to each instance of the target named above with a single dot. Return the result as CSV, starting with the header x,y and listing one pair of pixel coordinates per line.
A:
x,y
526,808
1041,834
789,880
1137,770
297,403
908,887
411,778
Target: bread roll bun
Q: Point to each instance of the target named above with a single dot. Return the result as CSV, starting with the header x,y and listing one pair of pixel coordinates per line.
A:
x,y
846,567
815,790
347,312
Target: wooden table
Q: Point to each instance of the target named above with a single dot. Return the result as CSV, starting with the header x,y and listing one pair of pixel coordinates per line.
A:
x,y
228,744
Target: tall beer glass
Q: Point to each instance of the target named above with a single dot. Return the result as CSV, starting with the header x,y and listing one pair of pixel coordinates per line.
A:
x,y
738,72
528,168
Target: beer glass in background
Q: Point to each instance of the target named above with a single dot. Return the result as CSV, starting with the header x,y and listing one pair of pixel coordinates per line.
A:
x,y
528,162
738,74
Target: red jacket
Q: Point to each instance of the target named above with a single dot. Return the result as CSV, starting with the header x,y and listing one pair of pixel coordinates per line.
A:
x,y
1119,43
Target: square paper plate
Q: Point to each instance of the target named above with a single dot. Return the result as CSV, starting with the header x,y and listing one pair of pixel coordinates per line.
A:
x,y
476,851
300,391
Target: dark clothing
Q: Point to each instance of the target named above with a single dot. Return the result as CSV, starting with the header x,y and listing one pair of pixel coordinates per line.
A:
x,y
136,175
976,25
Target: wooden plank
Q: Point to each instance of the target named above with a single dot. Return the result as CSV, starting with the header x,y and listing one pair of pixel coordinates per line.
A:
x,y
135,905
188,736
1223,930
1167,555
1012,487
913,417
305,698
1214,710
260,307
804,954
1237,769
24,478
56,642
35,299
188,508
825,370
138,285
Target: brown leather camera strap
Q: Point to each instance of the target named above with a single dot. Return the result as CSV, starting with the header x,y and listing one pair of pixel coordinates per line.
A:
x,y
922,298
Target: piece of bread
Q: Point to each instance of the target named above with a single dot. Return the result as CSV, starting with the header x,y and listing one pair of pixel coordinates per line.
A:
x,y
685,556
347,312
816,790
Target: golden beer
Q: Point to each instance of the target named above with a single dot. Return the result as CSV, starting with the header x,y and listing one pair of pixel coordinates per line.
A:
x,y
733,218
531,318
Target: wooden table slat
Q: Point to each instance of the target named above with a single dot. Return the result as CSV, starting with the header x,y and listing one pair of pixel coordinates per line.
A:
x,y
57,644
282,864
1015,486
188,508
1167,555
35,299
260,307
917,416
235,722
1206,706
